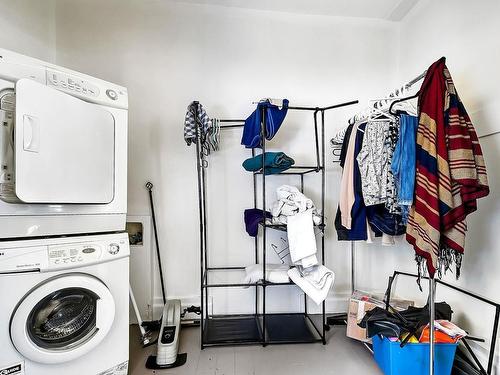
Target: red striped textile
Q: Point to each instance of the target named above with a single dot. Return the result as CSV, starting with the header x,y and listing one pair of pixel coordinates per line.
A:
x,y
450,174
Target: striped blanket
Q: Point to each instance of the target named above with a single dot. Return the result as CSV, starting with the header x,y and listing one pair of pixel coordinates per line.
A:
x,y
450,174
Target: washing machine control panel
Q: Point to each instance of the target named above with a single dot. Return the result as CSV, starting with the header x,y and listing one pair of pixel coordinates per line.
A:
x,y
72,254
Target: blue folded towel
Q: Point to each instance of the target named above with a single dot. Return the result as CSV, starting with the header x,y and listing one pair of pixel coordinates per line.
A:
x,y
275,162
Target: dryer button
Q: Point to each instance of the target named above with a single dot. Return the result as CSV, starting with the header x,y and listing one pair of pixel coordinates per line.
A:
x,y
114,248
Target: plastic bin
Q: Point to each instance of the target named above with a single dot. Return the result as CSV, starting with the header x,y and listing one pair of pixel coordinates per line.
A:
x,y
412,359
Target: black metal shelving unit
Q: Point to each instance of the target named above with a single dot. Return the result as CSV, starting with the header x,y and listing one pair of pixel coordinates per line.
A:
x,y
260,327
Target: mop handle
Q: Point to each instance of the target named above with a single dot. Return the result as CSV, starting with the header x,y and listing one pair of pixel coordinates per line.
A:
x,y
149,186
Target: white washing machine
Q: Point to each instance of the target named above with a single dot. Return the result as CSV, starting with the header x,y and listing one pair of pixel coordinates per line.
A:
x,y
64,306
63,150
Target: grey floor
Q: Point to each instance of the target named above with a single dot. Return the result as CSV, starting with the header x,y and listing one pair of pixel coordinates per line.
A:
x,y
341,355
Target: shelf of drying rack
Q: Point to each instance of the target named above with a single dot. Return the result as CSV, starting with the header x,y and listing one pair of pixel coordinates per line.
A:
x,y
295,170
226,277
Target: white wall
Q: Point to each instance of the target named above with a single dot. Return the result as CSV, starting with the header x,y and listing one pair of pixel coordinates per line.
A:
x,y
169,54
466,33
28,27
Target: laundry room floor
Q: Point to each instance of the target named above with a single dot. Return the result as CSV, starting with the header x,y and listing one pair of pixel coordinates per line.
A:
x,y
340,355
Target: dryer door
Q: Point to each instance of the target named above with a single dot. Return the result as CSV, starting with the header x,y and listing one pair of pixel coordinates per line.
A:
x,y
62,319
64,147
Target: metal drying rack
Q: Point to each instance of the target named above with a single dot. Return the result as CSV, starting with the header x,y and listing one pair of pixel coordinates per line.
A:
x,y
261,327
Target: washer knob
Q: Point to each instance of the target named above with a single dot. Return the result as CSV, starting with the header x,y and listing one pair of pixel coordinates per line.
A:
x,y
114,249
112,94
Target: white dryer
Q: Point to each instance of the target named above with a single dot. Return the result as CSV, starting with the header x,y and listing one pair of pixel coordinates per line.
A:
x,y
63,150
64,306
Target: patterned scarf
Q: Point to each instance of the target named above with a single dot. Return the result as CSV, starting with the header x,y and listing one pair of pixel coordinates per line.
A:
x,y
450,174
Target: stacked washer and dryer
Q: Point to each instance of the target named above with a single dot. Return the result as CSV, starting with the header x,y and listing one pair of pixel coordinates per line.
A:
x,y
64,255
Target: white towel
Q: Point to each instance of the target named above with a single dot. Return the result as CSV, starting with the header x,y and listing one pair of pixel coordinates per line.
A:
x,y
275,273
290,201
301,239
322,276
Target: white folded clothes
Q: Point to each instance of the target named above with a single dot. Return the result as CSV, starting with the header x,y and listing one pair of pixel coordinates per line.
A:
x,y
283,220
316,283
290,201
275,273
301,239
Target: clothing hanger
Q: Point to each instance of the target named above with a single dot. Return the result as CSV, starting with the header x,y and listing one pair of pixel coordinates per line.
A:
x,y
400,101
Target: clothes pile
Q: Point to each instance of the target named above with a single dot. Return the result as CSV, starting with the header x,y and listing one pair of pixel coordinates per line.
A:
x,y
300,215
417,173
412,325
274,162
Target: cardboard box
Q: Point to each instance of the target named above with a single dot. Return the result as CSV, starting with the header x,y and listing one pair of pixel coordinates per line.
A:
x,y
359,304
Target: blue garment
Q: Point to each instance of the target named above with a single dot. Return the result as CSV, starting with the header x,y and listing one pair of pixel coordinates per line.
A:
x,y
252,217
252,137
275,162
381,220
403,162
358,211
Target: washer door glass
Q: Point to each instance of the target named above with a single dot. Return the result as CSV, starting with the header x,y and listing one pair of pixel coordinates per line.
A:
x,y
63,319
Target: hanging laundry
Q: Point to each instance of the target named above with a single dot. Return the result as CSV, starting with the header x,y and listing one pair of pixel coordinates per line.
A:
x,y
315,282
403,163
252,218
373,160
275,162
196,115
252,132
347,197
358,230
450,174
392,194
301,239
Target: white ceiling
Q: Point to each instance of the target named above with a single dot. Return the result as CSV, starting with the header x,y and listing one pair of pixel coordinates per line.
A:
x,y
393,10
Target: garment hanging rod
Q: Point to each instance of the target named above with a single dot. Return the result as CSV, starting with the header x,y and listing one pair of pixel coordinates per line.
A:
x,y
297,108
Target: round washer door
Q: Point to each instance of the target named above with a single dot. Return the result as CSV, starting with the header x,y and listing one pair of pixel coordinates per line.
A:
x,y
62,319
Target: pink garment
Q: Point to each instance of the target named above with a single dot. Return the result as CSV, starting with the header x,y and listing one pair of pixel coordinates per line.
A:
x,y
347,183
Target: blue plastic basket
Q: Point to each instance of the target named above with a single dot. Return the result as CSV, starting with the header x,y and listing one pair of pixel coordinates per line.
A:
x,y
412,359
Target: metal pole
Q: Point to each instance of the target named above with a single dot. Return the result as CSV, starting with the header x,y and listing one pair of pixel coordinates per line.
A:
x,y
149,186
323,190
202,226
493,340
432,316
256,239
353,267
264,227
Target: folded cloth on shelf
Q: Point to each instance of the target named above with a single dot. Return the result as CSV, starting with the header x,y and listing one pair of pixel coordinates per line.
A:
x,y
301,239
275,273
290,201
315,282
252,134
252,217
275,162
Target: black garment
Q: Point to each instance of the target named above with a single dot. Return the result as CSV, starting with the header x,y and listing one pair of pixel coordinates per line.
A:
x,y
410,320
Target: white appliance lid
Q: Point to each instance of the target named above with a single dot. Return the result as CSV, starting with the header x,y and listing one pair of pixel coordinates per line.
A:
x,y
65,147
